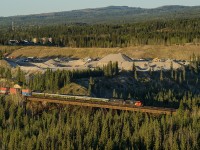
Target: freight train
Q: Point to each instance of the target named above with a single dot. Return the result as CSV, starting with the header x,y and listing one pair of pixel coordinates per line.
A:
x,y
29,93
86,98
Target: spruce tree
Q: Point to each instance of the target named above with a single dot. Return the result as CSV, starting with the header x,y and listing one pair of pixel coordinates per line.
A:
x,y
133,67
91,86
1,54
180,78
135,75
161,75
114,93
172,70
184,74
175,75
116,68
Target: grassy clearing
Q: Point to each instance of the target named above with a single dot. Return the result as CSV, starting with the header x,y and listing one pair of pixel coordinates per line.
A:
x,y
148,51
4,64
9,49
74,89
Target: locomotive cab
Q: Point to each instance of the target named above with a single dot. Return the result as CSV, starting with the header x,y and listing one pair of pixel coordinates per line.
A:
x,y
138,104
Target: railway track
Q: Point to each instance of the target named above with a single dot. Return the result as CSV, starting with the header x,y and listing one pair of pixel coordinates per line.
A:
x,y
106,105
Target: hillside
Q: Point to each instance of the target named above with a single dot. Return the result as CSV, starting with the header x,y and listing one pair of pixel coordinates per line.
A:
x,y
74,89
112,14
148,51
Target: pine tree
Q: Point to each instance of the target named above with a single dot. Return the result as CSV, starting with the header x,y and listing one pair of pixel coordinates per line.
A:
x,y
18,77
91,86
172,70
8,74
68,78
115,68
180,78
175,75
129,96
181,108
1,55
161,75
184,74
150,71
197,81
114,93
110,70
135,75
133,67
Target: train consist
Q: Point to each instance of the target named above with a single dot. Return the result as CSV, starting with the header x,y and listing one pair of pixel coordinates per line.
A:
x,y
86,98
29,93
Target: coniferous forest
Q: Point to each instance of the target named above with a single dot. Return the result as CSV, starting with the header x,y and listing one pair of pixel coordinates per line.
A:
x,y
31,126
36,126
86,128
153,88
159,32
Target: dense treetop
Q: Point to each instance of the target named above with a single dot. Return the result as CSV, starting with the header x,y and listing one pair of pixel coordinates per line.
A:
x,y
79,128
178,31
107,15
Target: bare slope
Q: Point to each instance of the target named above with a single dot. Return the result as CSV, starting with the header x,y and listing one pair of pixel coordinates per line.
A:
x,y
115,58
74,89
149,51
4,64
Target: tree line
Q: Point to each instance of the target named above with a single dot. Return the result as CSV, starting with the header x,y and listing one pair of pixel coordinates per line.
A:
x,y
167,32
153,88
85,128
53,81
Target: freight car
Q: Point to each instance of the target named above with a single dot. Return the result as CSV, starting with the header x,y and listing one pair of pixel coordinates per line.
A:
x,y
86,98
47,95
126,102
29,93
